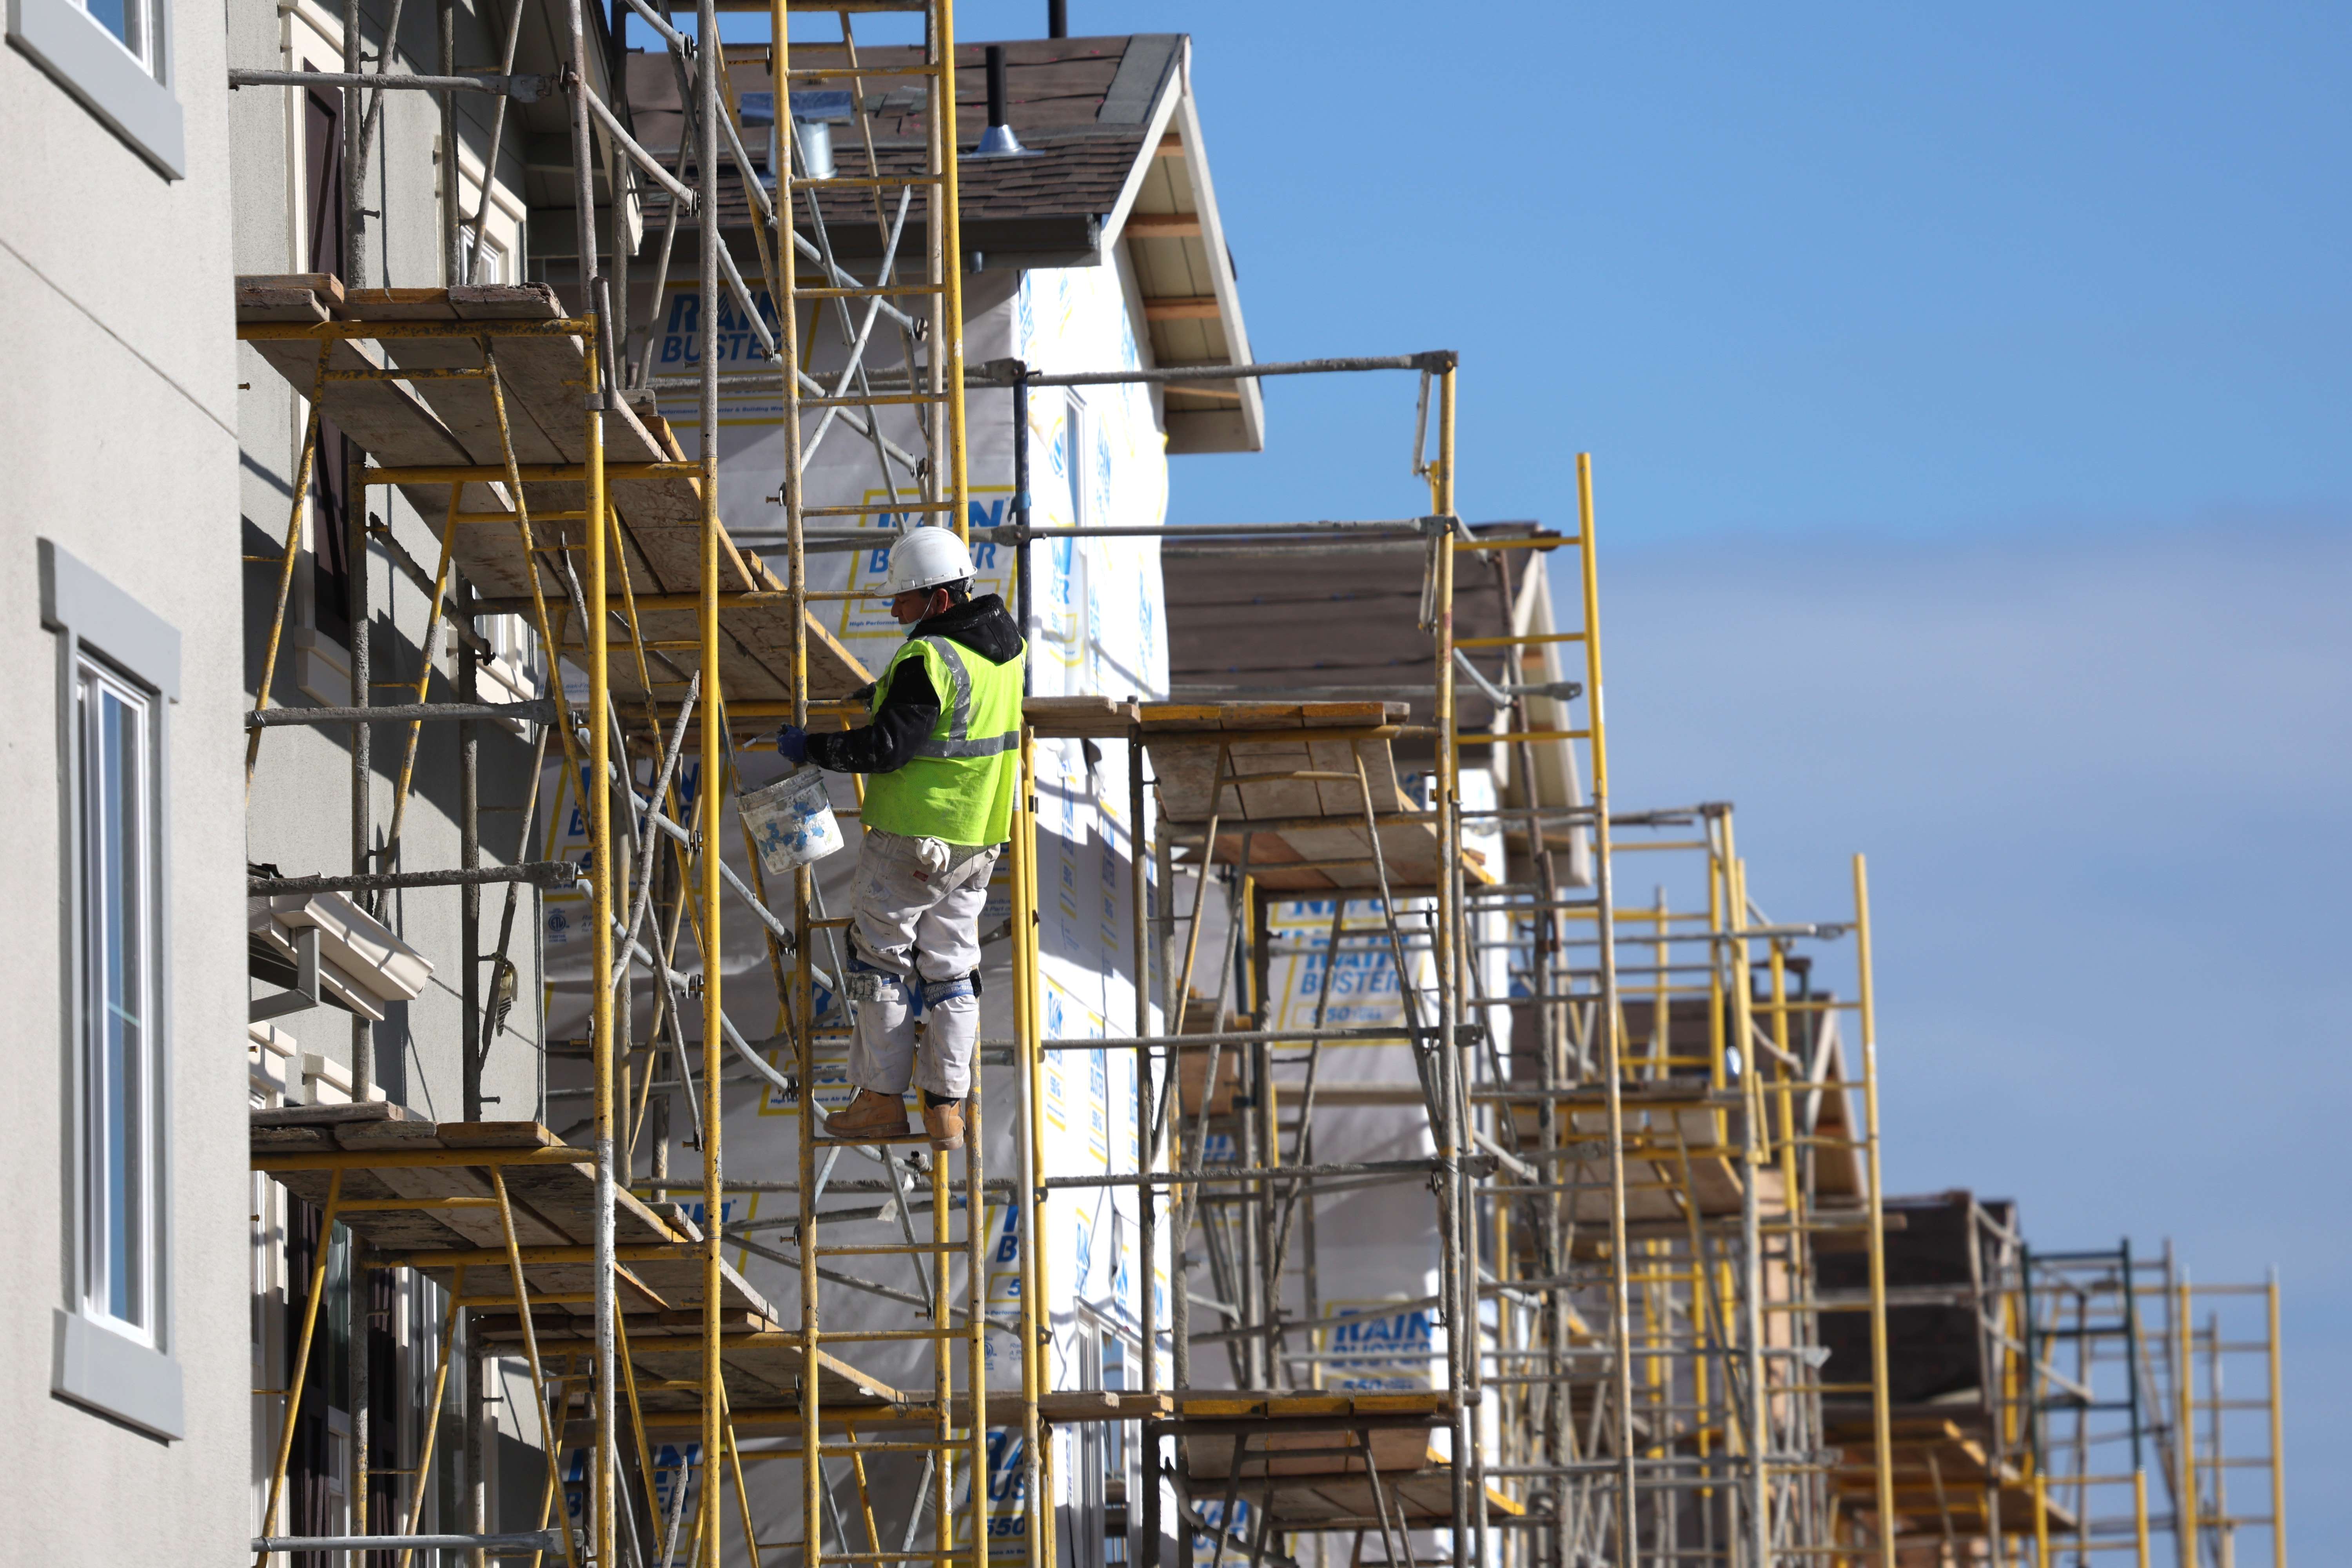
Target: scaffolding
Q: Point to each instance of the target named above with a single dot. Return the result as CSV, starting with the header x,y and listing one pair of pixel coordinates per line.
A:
x,y
2136,1413
1286,797
1652,1151
1299,797
566,498
1681,1147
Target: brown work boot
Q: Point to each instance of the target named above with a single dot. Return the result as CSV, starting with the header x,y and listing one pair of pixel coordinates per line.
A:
x,y
944,1123
871,1115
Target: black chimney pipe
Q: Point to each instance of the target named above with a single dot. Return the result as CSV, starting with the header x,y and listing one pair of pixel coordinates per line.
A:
x,y
998,141
1058,18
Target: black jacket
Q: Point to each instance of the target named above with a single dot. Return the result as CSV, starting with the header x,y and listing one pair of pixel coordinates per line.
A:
x,y
910,708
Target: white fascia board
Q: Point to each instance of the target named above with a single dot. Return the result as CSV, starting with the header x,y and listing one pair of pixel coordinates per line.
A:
x,y
1173,93
1212,240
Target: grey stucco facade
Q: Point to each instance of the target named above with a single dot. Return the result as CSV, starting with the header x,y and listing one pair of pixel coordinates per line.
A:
x,y
299,817
117,434
147,452
301,814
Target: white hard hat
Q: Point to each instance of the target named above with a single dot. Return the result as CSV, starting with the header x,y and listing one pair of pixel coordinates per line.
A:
x,y
927,557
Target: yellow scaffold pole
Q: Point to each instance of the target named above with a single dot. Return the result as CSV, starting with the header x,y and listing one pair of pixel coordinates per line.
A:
x,y
595,635
1882,1428
712,1374
950,375
2278,1430
2186,1503
1608,1023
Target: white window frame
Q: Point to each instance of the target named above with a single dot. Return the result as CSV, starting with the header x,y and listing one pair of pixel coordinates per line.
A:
x,y
109,644
501,239
128,84
143,21
1078,439
485,257
512,673
119,877
1105,1450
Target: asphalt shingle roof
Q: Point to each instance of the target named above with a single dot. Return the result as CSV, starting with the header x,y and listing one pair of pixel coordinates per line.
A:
x,y
1080,105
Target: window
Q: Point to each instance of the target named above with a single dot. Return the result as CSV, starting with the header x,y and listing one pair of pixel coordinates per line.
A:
x,y
490,223
116,867
119,671
135,24
114,55
1076,429
485,259
324,195
131,22
1059,599
1104,1480
510,673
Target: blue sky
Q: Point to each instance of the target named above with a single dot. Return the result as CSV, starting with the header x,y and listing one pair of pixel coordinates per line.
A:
x,y
1969,393
1790,269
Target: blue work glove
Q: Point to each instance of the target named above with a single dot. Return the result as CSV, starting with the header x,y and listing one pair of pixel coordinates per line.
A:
x,y
792,741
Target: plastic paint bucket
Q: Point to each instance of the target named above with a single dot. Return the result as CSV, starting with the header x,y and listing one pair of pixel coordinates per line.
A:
x,y
790,821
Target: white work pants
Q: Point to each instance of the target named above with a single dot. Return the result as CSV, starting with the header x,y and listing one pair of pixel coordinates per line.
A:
x,y
916,918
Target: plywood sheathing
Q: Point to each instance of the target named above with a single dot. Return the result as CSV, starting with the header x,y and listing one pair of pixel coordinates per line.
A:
x,y
1291,1469
1185,740
1422,1498
1675,1150
454,422
382,417
1071,718
1837,1164
1192,1061
553,1206
1960,1463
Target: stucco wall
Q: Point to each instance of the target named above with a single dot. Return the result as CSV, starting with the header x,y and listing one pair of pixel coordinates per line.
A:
x,y
117,435
301,817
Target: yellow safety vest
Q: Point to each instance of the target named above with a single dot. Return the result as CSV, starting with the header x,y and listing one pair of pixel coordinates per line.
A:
x,y
959,785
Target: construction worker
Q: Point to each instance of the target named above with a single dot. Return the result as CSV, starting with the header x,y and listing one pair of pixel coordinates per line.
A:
x,y
942,750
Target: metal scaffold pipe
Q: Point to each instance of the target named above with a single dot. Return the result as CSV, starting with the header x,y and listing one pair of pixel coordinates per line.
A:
x,y
704,115
514,1544
536,711
554,874
1607,1024
1881,1425
523,88
1433,363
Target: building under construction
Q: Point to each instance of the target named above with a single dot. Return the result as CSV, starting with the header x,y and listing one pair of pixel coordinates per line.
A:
x,y
1389,1147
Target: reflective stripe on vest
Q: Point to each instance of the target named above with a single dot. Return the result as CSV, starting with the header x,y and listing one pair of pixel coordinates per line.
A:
x,y
956,786
957,741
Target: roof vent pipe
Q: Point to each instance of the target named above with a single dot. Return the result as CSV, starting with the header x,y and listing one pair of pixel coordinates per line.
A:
x,y
1058,18
997,140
